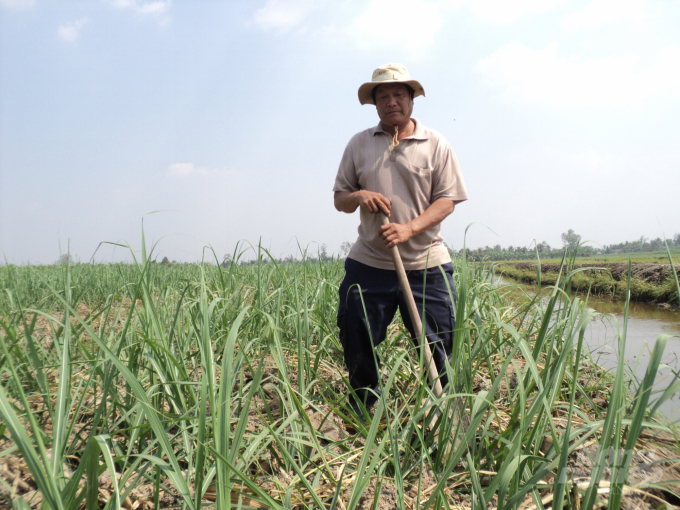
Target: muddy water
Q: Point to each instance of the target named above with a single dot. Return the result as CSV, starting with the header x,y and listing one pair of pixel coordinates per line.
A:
x,y
645,324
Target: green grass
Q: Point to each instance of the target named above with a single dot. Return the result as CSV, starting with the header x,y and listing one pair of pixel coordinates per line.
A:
x,y
656,257
226,387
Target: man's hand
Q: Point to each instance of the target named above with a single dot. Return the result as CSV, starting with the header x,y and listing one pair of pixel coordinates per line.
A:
x,y
374,202
371,201
395,233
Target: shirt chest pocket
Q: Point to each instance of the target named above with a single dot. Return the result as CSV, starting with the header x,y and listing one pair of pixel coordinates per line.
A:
x,y
423,171
418,182
420,172
420,161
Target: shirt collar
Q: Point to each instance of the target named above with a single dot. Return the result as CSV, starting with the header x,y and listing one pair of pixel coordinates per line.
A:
x,y
419,132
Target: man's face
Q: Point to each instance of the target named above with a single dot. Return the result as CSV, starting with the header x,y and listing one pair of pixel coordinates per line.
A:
x,y
394,104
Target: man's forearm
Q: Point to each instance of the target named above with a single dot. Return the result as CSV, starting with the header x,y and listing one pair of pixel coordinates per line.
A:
x,y
373,202
432,216
346,201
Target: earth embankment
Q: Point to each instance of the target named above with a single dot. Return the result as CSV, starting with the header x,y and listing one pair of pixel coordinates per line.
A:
x,y
650,282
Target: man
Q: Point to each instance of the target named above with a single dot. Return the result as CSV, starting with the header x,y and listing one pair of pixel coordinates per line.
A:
x,y
408,172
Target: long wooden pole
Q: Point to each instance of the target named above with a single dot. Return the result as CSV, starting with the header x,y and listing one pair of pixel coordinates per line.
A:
x,y
432,373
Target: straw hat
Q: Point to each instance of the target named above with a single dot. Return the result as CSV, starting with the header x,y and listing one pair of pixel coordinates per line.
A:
x,y
389,73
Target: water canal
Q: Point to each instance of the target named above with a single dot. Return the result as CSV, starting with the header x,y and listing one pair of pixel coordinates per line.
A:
x,y
645,324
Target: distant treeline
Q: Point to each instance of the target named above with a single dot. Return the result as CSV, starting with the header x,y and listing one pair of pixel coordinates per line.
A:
x,y
496,253
570,240
227,261
642,245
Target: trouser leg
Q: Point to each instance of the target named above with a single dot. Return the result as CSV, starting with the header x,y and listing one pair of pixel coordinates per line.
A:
x,y
361,332
439,321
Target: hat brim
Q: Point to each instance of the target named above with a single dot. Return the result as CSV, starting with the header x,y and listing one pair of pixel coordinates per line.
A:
x,y
366,89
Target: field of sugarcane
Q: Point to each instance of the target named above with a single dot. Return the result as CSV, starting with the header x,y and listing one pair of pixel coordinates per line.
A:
x,y
194,386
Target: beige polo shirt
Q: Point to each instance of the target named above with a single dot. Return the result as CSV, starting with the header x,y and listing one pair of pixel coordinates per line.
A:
x,y
418,171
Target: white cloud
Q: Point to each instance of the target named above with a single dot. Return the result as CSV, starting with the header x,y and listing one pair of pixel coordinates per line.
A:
x,y
70,32
158,9
384,22
408,24
590,161
17,4
181,169
405,24
525,75
282,15
189,169
505,11
602,12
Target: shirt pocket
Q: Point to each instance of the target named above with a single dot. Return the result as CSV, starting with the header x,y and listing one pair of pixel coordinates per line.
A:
x,y
424,170
419,181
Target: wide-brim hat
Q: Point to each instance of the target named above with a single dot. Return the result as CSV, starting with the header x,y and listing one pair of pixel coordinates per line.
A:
x,y
389,73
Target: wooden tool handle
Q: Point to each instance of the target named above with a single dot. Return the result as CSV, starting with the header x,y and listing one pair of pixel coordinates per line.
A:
x,y
433,374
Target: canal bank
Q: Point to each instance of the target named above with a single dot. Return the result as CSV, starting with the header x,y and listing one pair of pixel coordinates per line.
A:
x,y
649,283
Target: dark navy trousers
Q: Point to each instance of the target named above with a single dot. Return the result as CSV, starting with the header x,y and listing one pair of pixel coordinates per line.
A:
x,y
381,298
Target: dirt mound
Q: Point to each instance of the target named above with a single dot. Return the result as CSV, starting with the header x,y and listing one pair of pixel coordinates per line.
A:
x,y
647,272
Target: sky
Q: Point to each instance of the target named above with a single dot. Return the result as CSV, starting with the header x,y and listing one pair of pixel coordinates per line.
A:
x,y
209,123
